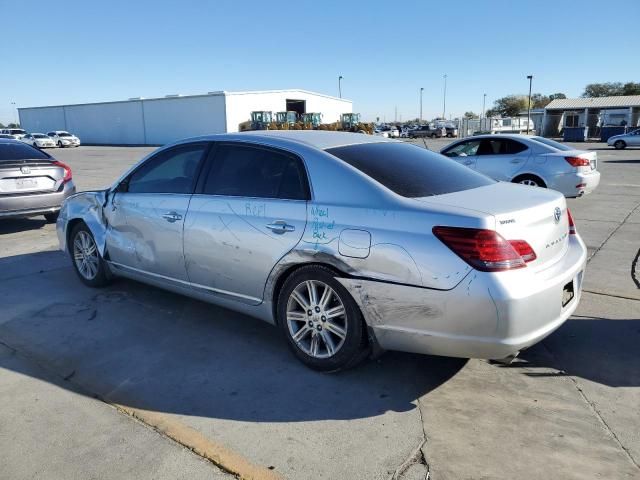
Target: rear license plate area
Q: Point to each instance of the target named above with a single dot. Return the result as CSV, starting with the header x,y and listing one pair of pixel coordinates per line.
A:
x,y
568,292
23,183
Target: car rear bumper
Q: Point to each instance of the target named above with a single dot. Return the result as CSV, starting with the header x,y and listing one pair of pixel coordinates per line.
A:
x,y
575,184
487,315
28,205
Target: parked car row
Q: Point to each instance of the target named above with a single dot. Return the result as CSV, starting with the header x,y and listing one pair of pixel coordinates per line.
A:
x,y
54,138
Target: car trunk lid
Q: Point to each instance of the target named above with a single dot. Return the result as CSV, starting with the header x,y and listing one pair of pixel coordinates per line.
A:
x,y
18,177
535,215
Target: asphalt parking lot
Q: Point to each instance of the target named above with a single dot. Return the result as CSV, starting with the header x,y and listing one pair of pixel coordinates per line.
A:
x,y
132,381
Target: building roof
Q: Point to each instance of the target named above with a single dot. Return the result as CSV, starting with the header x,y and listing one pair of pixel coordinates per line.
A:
x,y
209,94
621,101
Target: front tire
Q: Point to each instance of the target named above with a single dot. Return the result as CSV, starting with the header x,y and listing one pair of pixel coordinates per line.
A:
x,y
619,145
86,258
60,144
320,320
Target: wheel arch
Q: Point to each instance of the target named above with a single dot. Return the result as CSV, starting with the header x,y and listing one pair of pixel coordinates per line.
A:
x,y
521,175
282,275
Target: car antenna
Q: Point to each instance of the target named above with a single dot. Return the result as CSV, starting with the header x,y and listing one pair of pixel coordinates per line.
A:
x,y
424,140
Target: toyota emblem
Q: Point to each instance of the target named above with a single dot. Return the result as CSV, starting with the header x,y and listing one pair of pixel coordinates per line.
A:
x,y
25,170
557,214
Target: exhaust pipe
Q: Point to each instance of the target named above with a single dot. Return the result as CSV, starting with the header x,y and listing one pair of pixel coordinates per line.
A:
x,y
506,360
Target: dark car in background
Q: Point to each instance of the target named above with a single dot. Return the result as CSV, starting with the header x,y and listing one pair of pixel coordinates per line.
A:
x,y
427,131
32,182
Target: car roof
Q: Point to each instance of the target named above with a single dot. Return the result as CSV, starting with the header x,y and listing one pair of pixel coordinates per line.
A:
x,y
319,139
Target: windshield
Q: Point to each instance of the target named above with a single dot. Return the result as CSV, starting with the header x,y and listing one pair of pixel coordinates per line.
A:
x,y
409,170
64,134
39,135
552,143
17,131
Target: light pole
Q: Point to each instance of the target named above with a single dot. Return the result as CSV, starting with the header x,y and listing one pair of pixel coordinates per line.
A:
x,y
421,90
15,115
530,77
444,97
340,86
484,99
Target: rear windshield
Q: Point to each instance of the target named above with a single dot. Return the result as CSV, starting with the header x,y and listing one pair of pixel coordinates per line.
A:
x,y
553,143
409,170
20,151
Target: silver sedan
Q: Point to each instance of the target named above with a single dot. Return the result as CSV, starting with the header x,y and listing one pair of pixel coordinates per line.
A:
x,y
630,139
533,161
349,243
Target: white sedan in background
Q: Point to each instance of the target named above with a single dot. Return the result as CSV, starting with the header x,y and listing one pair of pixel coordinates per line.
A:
x,y
534,161
64,139
38,140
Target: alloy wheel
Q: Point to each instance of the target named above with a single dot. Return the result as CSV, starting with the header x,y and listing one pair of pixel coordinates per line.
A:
x,y
529,182
85,255
316,319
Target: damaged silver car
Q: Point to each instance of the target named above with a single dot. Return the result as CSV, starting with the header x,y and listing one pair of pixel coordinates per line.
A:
x,y
349,243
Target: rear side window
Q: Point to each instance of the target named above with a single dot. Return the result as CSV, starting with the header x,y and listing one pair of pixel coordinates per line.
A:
x,y
248,171
20,151
170,171
409,170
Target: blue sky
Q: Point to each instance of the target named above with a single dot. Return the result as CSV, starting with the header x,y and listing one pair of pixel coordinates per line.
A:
x,y
84,51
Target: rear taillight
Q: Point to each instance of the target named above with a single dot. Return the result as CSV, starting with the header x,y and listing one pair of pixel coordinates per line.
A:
x,y
578,161
67,170
485,250
572,225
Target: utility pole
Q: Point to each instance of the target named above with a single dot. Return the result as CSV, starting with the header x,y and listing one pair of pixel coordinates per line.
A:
x,y
421,90
444,97
530,77
484,99
340,86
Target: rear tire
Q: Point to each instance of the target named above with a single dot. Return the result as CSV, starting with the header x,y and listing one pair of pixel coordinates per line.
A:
x,y
530,180
322,323
60,144
51,217
619,145
86,258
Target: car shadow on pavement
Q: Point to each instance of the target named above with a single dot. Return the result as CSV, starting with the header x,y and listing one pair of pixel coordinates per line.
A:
x,y
600,350
14,225
142,347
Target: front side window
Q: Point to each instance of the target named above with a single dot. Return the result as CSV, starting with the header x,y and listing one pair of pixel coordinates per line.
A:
x,y
248,171
409,170
170,171
464,149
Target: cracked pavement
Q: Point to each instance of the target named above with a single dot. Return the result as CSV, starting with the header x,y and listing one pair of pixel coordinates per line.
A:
x,y
133,381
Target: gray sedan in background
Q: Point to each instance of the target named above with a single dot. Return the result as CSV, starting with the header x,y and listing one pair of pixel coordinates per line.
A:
x,y
529,160
349,243
31,182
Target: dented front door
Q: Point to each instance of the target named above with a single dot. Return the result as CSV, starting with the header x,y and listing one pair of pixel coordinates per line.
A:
x,y
145,233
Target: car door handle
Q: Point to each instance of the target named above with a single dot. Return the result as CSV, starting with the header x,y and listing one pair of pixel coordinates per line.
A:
x,y
516,160
468,162
172,217
280,227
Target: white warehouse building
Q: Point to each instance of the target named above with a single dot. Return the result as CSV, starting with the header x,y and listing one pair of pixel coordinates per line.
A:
x,y
156,121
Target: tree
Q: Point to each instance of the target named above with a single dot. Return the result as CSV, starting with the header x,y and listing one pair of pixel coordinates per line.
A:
x,y
470,115
13,125
555,96
631,88
508,106
1,125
